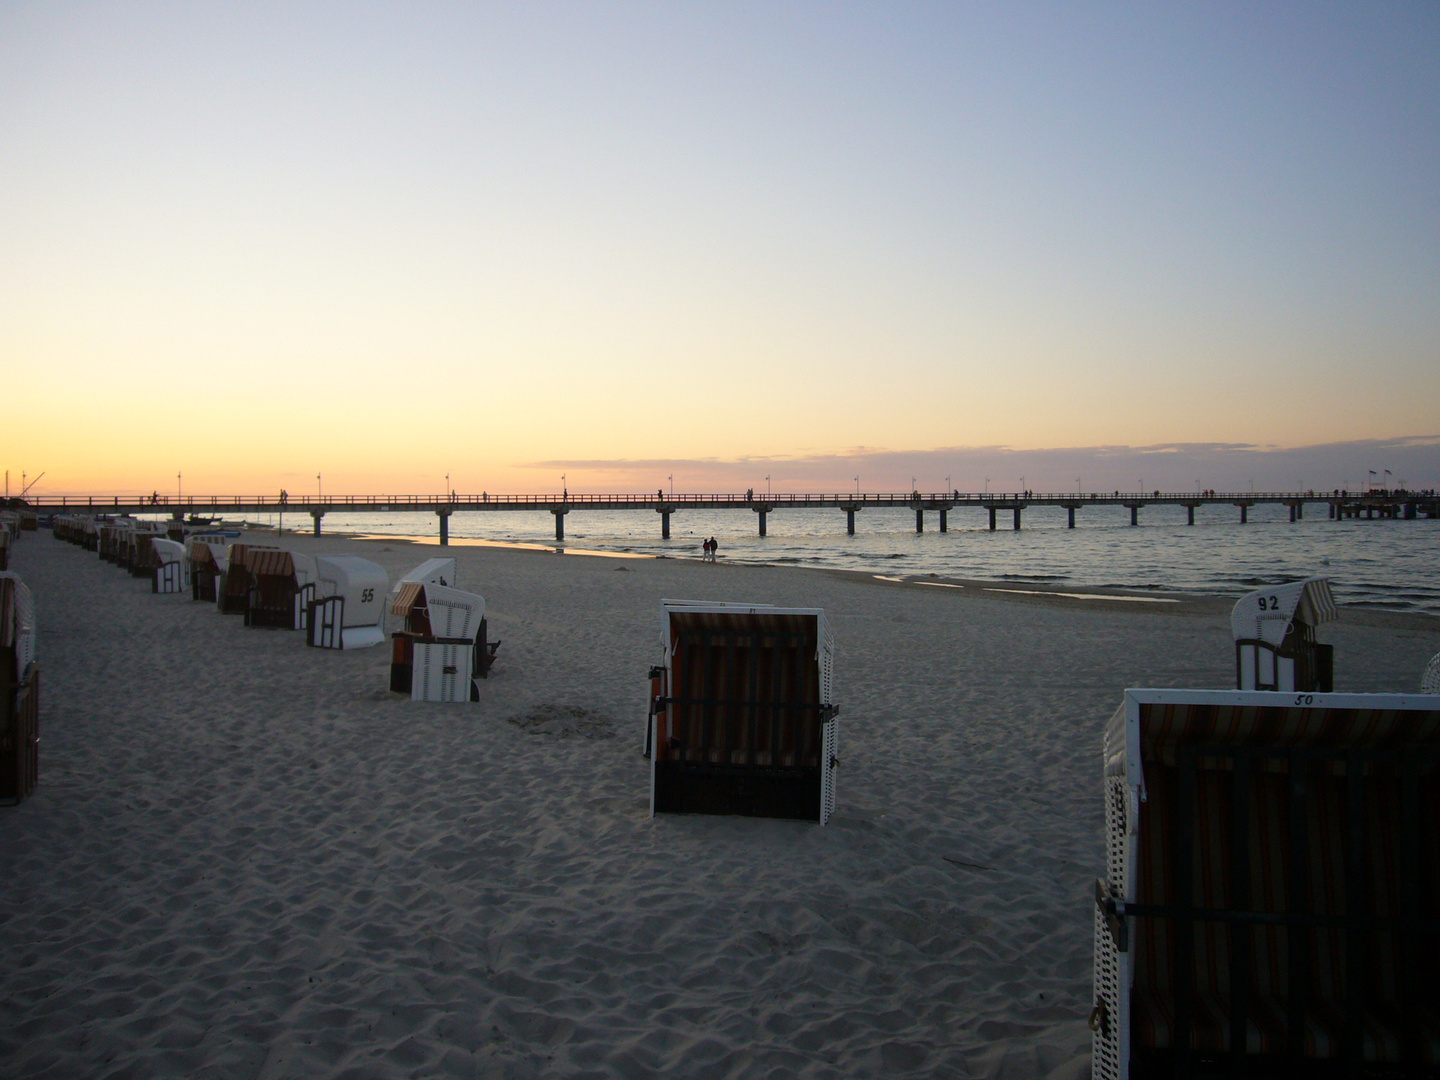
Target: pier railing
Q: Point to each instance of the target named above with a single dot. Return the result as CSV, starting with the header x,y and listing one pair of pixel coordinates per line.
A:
x,y
777,500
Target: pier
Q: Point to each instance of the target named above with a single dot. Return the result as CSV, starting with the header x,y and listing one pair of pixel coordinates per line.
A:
x,y
1389,505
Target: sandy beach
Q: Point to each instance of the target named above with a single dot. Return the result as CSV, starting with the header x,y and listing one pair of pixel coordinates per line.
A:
x,y
247,858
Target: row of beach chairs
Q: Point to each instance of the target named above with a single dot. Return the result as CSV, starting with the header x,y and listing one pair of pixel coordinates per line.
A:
x,y
439,652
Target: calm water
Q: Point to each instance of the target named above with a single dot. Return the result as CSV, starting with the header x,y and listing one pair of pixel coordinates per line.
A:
x,y
1389,564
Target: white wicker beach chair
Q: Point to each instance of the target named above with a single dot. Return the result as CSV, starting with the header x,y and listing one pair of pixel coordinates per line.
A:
x,y
348,611
1275,646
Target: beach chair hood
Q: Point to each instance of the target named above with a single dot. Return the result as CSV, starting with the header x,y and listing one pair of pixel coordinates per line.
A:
x,y
1266,614
168,551
431,572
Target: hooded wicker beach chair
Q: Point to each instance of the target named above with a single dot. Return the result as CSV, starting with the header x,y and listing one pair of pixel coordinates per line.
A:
x,y
19,691
740,718
172,569
232,590
1271,904
443,646
1275,646
348,611
141,556
282,585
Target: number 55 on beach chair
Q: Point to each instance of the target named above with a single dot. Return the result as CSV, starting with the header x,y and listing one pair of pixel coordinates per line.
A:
x,y
1271,903
740,718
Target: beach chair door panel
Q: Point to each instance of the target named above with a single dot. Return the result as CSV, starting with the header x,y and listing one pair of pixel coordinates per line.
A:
x,y
441,672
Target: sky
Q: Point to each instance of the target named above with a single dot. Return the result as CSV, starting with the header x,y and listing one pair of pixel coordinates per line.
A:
x,y
390,244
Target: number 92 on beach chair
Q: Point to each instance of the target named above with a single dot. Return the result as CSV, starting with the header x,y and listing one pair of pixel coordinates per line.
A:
x,y
1271,904
740,718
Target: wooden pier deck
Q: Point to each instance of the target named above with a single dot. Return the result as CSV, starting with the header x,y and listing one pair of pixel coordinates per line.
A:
x,y
1339,504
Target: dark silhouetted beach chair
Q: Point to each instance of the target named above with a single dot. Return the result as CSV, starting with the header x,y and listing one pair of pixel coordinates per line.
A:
x,y
232,591
1271,903
740,718
19,691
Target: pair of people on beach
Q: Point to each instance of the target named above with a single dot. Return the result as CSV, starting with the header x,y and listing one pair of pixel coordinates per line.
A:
x,y
709,547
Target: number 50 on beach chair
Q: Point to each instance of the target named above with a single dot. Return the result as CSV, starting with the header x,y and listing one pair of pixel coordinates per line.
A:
x,y
740,718
1271,904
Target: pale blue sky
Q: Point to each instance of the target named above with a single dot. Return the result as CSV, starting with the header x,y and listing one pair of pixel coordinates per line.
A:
x,y
644,232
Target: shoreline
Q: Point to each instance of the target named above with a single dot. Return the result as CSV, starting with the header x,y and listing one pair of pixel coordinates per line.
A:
x,y
1175,601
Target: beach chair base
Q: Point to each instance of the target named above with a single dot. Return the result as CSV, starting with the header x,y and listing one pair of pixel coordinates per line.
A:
x,y
442,671
168,578
325,622
797,794
287,612
744,791
19,733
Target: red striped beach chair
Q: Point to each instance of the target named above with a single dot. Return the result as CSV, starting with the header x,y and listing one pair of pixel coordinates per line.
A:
x,y
741,719
282,585
1272,899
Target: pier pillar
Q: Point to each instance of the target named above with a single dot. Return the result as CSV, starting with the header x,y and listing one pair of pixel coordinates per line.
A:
x,y
1017,519
1411,512
444,516
560,522
1291,507
1134,515
1244,511
992,518
317,515
762,509
849,522
664,522
919,520
943,523
1070,517
1190,513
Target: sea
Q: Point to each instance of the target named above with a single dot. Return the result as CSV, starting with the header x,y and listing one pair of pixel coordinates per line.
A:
x,y
1391,565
